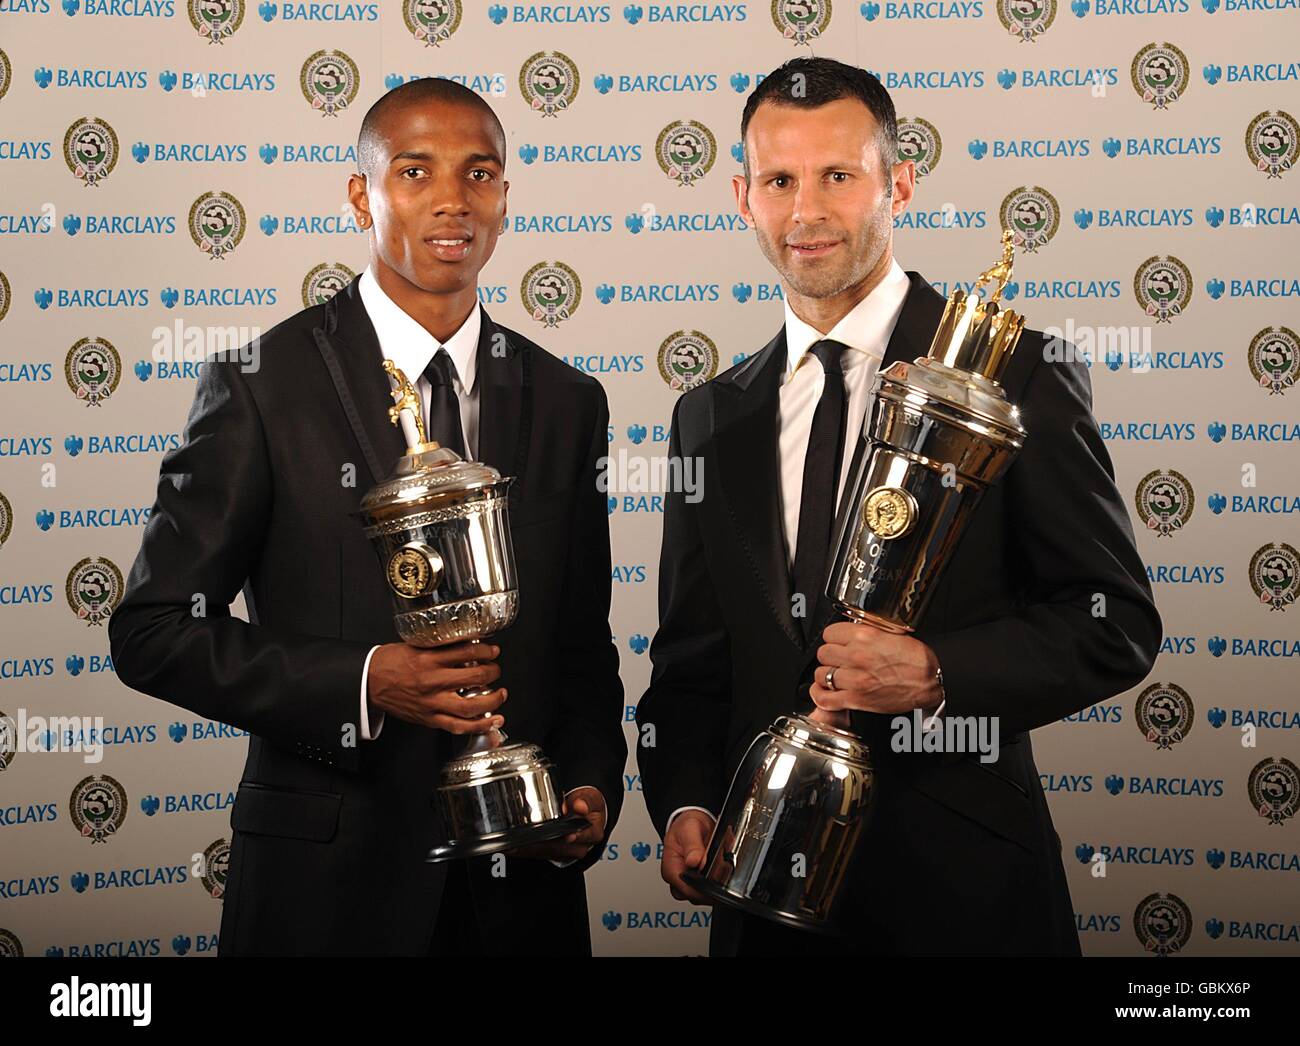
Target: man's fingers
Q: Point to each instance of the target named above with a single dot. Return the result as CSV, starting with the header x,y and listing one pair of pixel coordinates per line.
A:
x,y
452,704
456,725
471,675
460,653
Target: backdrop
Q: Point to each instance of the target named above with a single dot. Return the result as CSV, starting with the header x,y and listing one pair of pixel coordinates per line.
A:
x,y
175,179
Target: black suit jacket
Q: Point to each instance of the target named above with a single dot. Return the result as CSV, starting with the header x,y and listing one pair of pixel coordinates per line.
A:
x,y
960,856
329,841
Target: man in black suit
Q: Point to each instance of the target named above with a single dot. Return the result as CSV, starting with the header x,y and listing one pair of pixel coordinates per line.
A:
x,y
333,817
960,856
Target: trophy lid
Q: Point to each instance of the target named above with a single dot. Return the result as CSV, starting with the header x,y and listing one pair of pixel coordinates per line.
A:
x,y
805,732
976,334
427,472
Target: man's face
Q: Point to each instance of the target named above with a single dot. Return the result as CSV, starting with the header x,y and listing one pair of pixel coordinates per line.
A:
x,y
816,194
436,194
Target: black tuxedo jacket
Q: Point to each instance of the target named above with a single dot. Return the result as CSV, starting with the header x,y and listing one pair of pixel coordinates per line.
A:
x,y
960,856
329,840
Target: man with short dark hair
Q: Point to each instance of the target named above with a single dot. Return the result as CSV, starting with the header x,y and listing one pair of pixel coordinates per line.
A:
x,y
958,856
333,818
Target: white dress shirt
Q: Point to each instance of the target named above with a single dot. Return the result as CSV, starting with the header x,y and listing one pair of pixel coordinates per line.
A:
x,y
865,332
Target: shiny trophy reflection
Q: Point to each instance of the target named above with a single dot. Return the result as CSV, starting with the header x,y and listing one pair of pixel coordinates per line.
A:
x,y
440,527
940,432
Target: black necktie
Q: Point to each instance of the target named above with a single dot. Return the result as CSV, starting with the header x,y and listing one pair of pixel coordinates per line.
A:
x,y
444,407
821,470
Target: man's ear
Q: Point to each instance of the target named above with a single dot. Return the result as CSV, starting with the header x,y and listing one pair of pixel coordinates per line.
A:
x,y
741,188
359,199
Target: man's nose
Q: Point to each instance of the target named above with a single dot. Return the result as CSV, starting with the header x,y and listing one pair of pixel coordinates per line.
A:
x,y
449,196
809,203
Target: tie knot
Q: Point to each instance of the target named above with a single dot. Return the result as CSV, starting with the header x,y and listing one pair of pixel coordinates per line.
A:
x,y
440,370
829,353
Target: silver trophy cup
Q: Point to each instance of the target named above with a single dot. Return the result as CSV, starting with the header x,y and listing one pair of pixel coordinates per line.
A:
x,y
441,530
939,433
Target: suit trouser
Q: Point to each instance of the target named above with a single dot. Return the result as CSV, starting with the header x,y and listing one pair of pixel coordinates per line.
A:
x,y
456,932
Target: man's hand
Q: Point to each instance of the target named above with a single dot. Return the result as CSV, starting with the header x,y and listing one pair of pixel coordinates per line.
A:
x,y
586,801
684,847
875,671
419,685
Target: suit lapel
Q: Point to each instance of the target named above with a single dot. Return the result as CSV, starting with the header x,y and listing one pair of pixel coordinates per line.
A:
x,y
919,319
350,349
504,377
746,441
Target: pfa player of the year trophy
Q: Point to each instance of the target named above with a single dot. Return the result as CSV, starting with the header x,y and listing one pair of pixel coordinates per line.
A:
x,y
939,433
440,527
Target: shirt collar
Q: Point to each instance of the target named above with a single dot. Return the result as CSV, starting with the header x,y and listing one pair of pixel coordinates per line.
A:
x,y
867,327
409,345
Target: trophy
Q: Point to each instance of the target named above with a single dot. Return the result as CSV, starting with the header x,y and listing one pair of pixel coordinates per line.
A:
x,y
440,527
940,432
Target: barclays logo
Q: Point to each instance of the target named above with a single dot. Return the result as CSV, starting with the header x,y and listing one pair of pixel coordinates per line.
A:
x,y
559,224
493,84
133,948
1163,145
94,79
93,518
683,14
1148,431
20,372
1079,784
1030,148
198,84
580,153
1255,432
650,220
744,292
317,12
1188,573
123,443
190,152
628,575
92,298
614,364
311,153
1262,718
119,878
946,217
1100,713
654,83
119,224
120,8
1256,647
201,943
1180,787
1104,8
930,79
1069,77
1136,217
638,643
187,803
657,293
1097,922
25,149
1146,855
25,224
549,14
1253,73
925,10
308,224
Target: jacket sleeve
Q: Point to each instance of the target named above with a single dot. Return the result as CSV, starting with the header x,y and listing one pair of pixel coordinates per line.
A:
x,y
683,715
173,636
587,743
1087,627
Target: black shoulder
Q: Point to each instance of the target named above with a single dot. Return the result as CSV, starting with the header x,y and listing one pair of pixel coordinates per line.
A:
x,y
549,369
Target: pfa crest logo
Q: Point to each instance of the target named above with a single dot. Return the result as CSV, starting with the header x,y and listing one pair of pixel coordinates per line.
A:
x,y
1160,74
1163,286
5,295
801,20
686,151
1274,787
8,741
97,807
549,82
1026,20
330,81
325,281
10,946
1164,714
216,867
1274,357
93,368
217,224
6,73
687,359
1272,140
216,20
432,21
90,149
6,519
1164,501
551,292
1033,216
918,141
94,588
1275,575
1163,923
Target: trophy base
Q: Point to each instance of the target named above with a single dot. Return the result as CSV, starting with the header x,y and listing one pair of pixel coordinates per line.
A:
x,y
508,839
717,894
